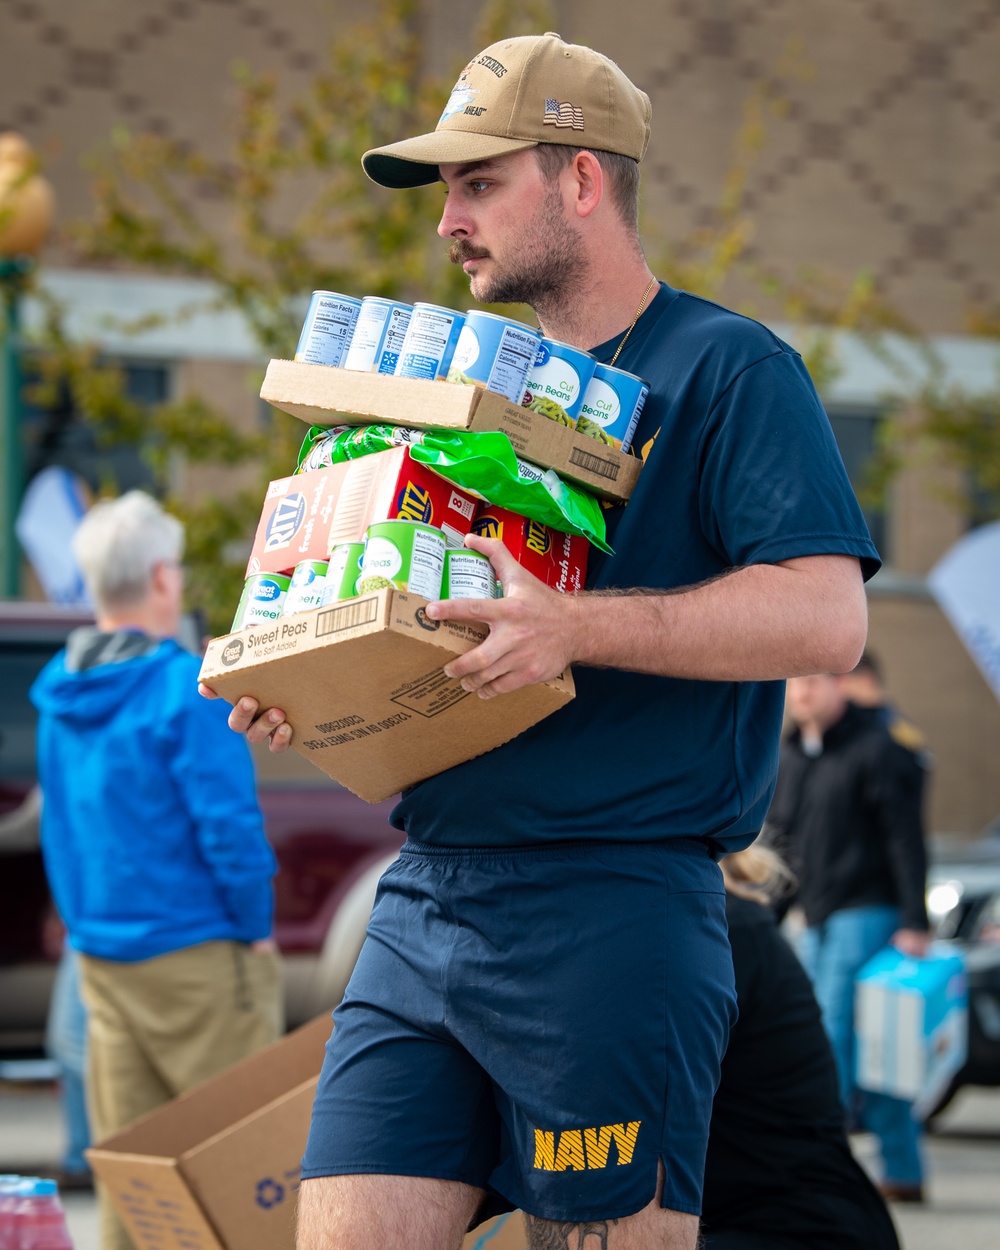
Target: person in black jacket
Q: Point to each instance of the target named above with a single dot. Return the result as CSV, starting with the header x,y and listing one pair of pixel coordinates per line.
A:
x,y
779,1174
847,815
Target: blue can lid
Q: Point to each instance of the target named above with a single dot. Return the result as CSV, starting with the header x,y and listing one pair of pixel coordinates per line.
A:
x,y
42,1188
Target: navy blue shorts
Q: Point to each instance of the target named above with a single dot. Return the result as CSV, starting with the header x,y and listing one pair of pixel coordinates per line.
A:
x,y
543,1023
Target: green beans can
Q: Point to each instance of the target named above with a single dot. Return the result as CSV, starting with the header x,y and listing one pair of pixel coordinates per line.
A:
x,y
406,555
342,572
468,575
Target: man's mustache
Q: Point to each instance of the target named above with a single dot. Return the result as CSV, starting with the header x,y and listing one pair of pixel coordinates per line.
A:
x,y
461,251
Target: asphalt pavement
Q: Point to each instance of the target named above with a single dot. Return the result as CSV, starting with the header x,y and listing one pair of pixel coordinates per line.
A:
x,y
963,1211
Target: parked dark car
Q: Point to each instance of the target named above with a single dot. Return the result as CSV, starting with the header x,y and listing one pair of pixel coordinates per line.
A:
x,y
331,849
963,899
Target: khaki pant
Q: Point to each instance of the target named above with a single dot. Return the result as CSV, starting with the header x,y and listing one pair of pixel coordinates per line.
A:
x,y
157,1027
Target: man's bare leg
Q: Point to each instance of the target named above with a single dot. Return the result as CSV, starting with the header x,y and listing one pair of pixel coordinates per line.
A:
x,y
652,1228
384,1213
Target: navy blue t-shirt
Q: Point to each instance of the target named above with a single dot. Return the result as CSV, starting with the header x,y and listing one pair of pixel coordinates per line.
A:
x,y
741,467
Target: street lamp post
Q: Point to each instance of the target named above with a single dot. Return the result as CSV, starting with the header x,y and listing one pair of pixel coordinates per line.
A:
x,y
27,208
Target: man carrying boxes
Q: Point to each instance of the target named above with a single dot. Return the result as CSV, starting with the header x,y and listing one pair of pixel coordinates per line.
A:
x,y
538,1014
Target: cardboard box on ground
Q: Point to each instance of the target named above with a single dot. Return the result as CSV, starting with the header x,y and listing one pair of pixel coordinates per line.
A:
x,y
218,1168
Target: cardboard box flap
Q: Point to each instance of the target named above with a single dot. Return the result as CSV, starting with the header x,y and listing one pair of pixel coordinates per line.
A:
x,y
209,1108
154,1202
362,685
321,395
246,1177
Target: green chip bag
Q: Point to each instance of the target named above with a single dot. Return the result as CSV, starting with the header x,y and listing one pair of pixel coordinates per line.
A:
x,y
481,462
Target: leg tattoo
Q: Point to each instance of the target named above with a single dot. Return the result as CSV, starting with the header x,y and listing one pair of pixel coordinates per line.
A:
x,y
551,1235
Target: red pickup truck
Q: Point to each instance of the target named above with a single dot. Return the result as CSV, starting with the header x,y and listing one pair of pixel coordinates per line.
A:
x,y
331,849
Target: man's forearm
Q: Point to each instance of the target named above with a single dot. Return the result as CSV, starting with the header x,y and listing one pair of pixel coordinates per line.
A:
x,y
756,623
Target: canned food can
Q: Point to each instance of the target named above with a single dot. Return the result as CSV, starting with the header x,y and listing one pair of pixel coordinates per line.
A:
x,y
468,575
404,554
342,572
429,343
306,588
327,329
378,335
263,600
558,380
612,407
496,353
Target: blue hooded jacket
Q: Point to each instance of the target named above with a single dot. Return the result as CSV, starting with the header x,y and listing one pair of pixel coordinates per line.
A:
x,y
151,833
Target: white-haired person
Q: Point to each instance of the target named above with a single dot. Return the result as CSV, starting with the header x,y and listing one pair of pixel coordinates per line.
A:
x,y
152,838
779,1174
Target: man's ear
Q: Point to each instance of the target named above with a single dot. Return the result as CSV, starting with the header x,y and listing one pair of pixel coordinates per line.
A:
x,y
588,183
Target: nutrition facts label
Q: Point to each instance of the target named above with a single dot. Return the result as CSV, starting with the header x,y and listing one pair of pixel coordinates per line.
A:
x,y
514,358
327,330
427,564
427,339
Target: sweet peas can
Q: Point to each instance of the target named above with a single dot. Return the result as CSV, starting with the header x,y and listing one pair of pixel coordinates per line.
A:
x,y
430,342
342,572
378,335
263,600
496,353
404,554
558,380
327,329
306,588
612,407
468,575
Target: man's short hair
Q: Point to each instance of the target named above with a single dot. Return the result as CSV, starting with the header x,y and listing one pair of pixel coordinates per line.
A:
x,y
622,173
118,544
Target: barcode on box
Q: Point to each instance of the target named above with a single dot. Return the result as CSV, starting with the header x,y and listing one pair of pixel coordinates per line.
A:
x,y
593,464
348,615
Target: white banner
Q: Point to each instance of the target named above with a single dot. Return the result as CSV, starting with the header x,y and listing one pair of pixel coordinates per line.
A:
x,y
966,584
52,508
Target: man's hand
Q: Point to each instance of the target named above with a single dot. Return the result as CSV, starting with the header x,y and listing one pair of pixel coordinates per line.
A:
x,y
912,942
531,628
244,719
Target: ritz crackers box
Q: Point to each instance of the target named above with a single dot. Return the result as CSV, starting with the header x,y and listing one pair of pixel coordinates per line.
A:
x,y
559,560
305,515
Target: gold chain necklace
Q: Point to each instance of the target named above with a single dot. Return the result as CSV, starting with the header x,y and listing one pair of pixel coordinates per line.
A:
x,y
638,314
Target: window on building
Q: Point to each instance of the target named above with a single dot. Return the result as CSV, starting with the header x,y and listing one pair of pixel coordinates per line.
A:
x,y
58,436
856,432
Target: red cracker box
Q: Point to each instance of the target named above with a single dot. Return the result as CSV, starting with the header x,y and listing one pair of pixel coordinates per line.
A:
x,y
557,559
306,515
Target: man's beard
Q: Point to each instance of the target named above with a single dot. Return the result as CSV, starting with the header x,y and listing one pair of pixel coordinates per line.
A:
x,y
546,266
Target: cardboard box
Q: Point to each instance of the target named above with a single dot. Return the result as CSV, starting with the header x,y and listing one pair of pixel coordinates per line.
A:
x,y
219,1167
321,395
911,1020
557,559
362,686
306,514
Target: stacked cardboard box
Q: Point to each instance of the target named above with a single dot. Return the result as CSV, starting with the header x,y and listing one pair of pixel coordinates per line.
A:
x,y
361,681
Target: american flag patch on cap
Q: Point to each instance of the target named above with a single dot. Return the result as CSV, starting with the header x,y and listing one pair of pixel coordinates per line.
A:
x,y
557,114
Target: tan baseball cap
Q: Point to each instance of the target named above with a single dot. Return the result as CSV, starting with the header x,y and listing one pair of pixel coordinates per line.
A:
x,y
516,94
